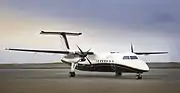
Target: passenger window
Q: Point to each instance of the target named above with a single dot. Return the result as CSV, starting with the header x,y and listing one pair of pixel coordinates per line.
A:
x,y
133,57
126,57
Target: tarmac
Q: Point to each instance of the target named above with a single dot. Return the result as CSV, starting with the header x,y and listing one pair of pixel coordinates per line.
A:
x,y
58,81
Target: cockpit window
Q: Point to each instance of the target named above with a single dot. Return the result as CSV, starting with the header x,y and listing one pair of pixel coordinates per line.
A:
x,y
126,57
133,57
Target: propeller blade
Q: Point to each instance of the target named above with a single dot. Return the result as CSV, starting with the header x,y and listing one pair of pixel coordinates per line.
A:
x,y
80,49
89,61
84,55
89,50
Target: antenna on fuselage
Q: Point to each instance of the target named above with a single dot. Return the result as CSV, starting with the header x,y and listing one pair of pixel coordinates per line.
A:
x,y
63,34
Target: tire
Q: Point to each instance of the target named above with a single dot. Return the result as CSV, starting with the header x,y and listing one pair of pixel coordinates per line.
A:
x,y
118,73
72,74
138,76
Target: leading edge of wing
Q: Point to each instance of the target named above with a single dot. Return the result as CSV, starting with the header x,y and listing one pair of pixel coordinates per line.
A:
x,y
149,53
42,51
45,51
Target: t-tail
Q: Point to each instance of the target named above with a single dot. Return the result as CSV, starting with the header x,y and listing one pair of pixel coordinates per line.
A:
x,y
63,34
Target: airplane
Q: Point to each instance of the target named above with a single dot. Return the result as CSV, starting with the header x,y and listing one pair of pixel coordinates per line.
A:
x,y
91,61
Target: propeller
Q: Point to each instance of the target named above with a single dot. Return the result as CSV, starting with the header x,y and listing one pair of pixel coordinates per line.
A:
x,y
84,54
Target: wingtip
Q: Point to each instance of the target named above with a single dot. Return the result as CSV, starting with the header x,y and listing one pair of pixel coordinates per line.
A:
x,y
42,32
165,52
79,33
6,48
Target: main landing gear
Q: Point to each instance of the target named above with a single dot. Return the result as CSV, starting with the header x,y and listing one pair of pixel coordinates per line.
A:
x,y
117,73
72,74
139,76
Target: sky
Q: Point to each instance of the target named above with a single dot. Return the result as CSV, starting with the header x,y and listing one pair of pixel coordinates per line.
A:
x,y
107,25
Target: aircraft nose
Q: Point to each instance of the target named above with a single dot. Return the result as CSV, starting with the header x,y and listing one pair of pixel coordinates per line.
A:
x,y
145,67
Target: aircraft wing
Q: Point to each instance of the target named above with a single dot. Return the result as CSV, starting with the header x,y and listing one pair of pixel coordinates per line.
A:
x,y
45,51
149,53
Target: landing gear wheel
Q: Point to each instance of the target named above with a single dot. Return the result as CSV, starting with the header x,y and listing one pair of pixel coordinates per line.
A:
x,y
118,74
139,76
72,74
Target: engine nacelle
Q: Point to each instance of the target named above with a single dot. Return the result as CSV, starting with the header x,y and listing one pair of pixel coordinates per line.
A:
x,y
70,60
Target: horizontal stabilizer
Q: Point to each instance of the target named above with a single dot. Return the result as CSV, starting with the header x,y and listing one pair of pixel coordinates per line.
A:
x,y
61,33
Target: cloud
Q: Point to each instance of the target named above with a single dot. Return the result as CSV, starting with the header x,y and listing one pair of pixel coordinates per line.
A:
x,y
150,25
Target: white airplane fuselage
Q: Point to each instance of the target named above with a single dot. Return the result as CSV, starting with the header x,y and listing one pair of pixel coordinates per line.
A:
x,y
109,62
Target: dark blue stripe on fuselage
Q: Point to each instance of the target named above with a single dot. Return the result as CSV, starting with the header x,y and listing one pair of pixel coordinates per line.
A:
x,y
107,67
